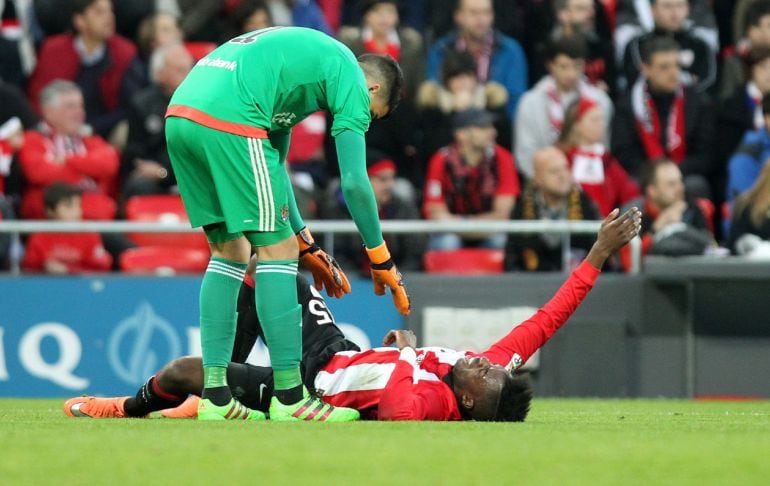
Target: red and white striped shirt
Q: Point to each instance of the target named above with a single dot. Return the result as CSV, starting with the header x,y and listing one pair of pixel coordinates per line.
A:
x,y
389,384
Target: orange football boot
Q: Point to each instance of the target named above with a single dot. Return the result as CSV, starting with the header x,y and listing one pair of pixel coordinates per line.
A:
x,y
187,409
94,407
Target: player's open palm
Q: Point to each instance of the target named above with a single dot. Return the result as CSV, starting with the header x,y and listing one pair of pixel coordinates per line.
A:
x,y
618,229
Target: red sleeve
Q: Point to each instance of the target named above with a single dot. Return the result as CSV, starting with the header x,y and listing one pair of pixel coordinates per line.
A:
x,y
95,256
434,188
530,335
506,172
402,399
625,187
37,168
35,254
100,160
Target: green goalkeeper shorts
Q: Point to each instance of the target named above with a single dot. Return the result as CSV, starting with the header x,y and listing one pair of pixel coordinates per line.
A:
x,y
230,184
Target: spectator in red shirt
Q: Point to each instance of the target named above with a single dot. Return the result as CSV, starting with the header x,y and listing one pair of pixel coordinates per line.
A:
x,y
62,151
599,174
102,63
473,178
65,253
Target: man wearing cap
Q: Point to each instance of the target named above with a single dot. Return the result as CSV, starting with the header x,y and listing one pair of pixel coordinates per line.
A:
x,y
391,205
472,178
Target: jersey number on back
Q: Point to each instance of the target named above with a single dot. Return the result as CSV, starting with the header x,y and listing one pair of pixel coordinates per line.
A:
x,y
248,39
318,308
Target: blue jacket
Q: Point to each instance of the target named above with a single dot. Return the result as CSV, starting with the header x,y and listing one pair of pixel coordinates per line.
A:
x,y
508,66
307,14
747,161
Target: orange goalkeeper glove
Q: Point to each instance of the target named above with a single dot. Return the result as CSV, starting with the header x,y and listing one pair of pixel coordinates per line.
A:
x,y
385,273
325,269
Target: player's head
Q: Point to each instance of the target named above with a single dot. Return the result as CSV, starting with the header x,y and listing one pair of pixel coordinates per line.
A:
x,y
488,392
93,19
385,81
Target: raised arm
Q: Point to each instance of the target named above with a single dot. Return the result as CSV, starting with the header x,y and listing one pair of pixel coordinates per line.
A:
x,y
530,335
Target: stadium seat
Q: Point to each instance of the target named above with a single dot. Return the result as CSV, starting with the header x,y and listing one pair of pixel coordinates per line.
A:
x,y
467,261
163,208
163,260
199,50
98,207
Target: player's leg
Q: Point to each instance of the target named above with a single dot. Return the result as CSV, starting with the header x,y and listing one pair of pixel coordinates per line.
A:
x,y
280,314
166,389
197,153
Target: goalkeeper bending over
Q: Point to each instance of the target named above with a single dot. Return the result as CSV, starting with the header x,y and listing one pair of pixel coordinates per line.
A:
x,y
228,130
451,385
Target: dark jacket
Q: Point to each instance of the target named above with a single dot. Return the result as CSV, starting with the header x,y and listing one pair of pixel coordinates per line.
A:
x,y
734,119
699,136
146,134
698,62
742,225
543,253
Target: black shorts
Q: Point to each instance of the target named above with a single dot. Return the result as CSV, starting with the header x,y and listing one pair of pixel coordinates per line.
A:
x,y
321,338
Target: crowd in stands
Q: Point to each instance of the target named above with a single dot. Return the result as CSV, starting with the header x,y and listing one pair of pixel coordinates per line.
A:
x,y
523,110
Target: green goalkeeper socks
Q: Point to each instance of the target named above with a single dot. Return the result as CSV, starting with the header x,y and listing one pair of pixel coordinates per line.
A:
x,y
218,300
281,318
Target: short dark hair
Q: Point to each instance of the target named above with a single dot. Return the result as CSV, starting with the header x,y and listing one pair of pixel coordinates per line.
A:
x,y
247,8
387,71
657,44
457,63
58,192
754,13
365,5
573,46
515,399
756,55
649,172
77,7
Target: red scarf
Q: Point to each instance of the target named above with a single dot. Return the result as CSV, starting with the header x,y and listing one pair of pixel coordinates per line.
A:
x,y
483,57
393,48
648,124
469,190
555,106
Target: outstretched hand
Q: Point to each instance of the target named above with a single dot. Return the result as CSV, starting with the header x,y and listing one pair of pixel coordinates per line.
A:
x,y
402,339
617,230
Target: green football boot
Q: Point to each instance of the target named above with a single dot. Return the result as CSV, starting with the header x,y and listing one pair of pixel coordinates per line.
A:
x,y
311,409
234,410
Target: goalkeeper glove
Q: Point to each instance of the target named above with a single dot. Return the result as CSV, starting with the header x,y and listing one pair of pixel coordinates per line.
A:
x,y
385,273
325,269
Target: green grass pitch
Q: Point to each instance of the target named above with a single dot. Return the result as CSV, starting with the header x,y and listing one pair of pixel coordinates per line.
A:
x,y
563,442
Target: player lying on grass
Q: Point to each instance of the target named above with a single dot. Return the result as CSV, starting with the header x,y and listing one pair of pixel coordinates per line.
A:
x,y
407,383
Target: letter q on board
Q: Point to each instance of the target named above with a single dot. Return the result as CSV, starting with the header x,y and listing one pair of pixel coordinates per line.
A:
x,y
70,350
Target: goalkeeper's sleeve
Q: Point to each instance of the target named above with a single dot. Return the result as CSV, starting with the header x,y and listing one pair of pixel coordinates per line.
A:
x,y
356,188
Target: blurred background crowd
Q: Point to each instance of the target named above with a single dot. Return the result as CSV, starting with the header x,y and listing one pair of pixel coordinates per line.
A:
x,y
512,109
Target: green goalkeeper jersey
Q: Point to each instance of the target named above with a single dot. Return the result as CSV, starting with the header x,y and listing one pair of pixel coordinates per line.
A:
x,y
273,78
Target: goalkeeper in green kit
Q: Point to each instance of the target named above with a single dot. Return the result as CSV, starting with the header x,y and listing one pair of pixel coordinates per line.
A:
x,y
228,130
